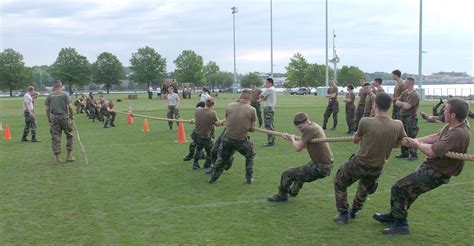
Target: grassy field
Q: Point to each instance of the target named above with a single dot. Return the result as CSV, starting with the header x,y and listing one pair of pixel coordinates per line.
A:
x,y
137,190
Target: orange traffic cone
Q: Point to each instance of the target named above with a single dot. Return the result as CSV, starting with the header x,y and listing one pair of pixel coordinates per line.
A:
x,y
1,128
145,126
181,135
7,135
129,119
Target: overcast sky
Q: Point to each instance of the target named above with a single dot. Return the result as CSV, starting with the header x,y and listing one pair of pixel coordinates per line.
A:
x,y
376,35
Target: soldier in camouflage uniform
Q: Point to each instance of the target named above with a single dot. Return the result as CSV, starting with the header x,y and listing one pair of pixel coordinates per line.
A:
x,y
108,114
377,136
363,91
268,97
192,145
205,120
173,106
397,91
29,114
60,115
318,167
408,103
333,105
350,109
240,119
435,171
255,102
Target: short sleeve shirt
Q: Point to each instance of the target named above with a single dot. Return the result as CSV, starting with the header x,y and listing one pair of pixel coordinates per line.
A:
x,y
173,99
57,102
413,98
204,97
369,102
271,99
351,96
455,139
363,91
318,152
27,102
204,121
239,118
399,88
378,136
332,90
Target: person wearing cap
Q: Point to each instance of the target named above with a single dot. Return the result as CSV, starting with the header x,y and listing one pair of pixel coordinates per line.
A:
x,y
240,119
333,105
363,92
29,114
318,167
377,137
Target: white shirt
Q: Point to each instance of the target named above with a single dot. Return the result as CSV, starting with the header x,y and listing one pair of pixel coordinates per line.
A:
x,y
204,97
271,99
27,102
158,90
173,99
150,89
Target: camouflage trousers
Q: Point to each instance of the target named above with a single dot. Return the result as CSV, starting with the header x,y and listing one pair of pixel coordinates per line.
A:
x,y
350,114
269,116
332,108
172,111
406,190
215,147
359,115
30,125
256,105
351,171
292,180
395,112
109,117
60,123
202,143
226,151
410,123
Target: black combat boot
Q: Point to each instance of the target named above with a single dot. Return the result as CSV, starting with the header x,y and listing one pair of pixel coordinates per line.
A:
x,y
399,227
278,198
353,213
384,218
342,218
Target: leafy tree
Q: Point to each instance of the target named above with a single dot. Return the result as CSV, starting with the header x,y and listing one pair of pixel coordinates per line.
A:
x,y
189,68
13,72
107,70
41,76
221,79
247,79
296,70
313,75
210,69
147,67
349,75
71,68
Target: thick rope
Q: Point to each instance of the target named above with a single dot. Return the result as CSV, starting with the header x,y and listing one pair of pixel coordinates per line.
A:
x,y
155,118
80,143
453,155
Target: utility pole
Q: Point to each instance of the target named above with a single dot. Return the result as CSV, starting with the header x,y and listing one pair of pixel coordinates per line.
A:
x,y
271,39
327,57
234,11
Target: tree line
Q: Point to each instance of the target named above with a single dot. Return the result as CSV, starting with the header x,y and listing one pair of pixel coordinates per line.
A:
x,y
148,68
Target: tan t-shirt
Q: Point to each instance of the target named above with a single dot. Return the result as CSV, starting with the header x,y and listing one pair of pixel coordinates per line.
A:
x,y
204,121
397,91
369,102
318,152
332,90
378,136
379,90
351,96
256,94
413,98
455,139
239,118
362,94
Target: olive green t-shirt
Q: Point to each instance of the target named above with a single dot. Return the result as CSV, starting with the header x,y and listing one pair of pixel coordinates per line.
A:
x,y
318,152
454,139
413,98
369,102
204,120
256,94
351,96
378,136
379,90
363,91
397,91
239,118
332,90
57,102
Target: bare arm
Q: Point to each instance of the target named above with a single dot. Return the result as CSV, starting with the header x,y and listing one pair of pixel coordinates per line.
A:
x,y
423,147
71,111
297,144
48,113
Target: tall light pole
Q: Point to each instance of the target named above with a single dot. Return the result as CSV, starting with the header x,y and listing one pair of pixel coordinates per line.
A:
x,y
271,39
234,11
420,58
327,56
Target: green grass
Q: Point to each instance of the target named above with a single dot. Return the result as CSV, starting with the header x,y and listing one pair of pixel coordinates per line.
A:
x,y
137,190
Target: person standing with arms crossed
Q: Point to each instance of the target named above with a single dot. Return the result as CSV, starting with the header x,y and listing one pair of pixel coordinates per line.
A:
x,y
29,114
268,97
255,102
59,112
408,103
397,91
333,105
350,109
